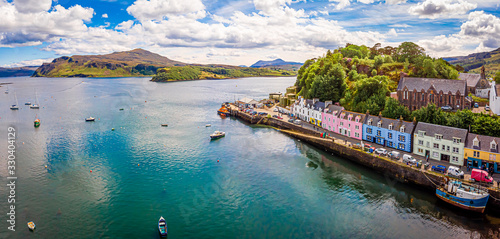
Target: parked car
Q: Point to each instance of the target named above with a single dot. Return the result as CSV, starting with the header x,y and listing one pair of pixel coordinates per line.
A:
x,y
480,176
381,151
438,168
476,105
275,116
297,122
446,107
487,108
290,120
263,113
275,110
279,117
455,172
408,159
394,155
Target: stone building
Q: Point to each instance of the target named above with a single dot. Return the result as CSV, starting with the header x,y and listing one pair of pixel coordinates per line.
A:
x,y
477,84
416,93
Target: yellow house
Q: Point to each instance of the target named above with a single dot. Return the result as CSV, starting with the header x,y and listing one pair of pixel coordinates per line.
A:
x,y
482,150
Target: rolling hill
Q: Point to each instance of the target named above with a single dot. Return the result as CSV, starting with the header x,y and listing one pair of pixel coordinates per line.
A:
x,y
473,62
17,71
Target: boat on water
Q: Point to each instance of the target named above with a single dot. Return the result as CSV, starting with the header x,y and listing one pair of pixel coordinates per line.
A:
x,y
31,225
27,103
223,111
15,107
90,119
464,196
164,125
217,135
35,105
162,227
37,123
208,125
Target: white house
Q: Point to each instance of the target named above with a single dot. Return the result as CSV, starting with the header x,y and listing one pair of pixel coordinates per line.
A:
x,y
309,110
495,98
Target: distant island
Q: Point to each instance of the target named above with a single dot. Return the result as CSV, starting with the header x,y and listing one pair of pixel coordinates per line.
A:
x,y
17,71
278,64
139,62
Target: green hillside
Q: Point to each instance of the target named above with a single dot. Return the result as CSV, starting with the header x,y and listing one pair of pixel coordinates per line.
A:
x,y
473,62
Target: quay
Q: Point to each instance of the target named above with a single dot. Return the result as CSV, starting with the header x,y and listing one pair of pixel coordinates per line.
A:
x,y
342,147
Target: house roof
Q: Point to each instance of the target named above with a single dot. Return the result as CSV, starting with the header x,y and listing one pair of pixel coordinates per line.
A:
x,y
471,79
484,141
448,133
445,85
248,101
332,108
319,105
354,115
386,122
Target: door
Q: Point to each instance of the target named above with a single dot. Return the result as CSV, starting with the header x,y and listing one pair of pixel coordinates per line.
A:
x,y
427,153
445,157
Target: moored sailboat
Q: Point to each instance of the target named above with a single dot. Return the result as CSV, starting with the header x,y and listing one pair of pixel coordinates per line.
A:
x,y
14,107
35,105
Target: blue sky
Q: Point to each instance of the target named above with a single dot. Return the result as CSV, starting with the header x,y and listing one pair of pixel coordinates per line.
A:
x,y
240,32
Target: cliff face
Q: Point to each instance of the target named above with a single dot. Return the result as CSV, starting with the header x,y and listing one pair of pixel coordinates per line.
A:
x,y
136,62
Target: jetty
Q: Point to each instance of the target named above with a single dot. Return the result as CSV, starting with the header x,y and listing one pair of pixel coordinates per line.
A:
x,y
393,170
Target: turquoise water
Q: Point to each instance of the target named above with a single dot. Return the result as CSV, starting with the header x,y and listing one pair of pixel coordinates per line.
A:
x,y
265,185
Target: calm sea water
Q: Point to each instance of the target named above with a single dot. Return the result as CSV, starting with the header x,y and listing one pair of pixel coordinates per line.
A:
x,y
265,184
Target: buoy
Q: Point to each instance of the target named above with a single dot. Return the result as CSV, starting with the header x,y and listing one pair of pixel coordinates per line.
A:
x,y
112,129
145,101
91,170
45,166
137,164
23,142
217,160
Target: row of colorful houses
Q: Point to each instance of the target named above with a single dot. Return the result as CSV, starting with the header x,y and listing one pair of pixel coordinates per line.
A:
x,y
437,142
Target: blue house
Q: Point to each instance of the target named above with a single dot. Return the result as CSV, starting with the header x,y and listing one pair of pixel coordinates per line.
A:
x,y
391,133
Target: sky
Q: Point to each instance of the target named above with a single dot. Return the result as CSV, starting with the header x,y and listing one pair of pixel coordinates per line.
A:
x,y
240,32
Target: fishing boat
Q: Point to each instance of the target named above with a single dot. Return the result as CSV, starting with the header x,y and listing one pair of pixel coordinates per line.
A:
x,y
164,125
217,135
31,225
35,105
464,196
14,107
121,109
162,227
7,90
90,119
27,103
37,123
223,111
208,125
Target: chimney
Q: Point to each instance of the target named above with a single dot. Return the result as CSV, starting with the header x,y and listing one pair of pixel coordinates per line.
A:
x,y
401,119
414,120
315,100
380,115
483,73
367,114
327,103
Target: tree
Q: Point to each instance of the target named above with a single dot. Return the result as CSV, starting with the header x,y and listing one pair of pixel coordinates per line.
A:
x,y
461,119
429,71
393,109
430,114
409,50
379,60
329,86
388,59
374,72
486,125
497,77
368,94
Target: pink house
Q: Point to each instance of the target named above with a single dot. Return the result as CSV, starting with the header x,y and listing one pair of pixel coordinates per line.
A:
x,y
351,124
329,118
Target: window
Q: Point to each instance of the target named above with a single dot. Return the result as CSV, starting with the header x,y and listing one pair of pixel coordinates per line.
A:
x,y
379,124
370,122
443,147
379,133
369,138
406,94
448,148
341,123
436,146
455,150
475,142
427,145
421,133
420,150
389,135
356,135
423,96
493,145
420,142
476,154
368,130
454,159
402,129
401,146
493,157
456,140
439,137
435,154
390,144
357,127
402,138
390,127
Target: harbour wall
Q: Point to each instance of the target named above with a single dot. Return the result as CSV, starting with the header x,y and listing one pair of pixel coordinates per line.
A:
x,y
393,170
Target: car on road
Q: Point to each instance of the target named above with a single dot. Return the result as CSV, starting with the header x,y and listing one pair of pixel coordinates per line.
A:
x,y
263,113
454,171
381,151
275,110
487,108
297,122
394,155
476,105
438,168
290,120
408,159
478,175
279,117
275,116
446,108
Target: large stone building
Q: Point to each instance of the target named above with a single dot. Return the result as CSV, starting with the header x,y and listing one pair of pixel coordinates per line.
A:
x,y
477,84
439,142
416,93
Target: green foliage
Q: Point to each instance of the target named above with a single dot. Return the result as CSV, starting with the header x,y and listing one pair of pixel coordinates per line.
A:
x,y
330,85
486,125
461,119
393,109
374,72
178,73
388,59
379,60
430,114
497,77
409,51
368,94
429,71
352,51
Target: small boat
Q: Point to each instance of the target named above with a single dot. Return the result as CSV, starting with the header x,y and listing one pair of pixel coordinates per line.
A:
x,y
31,225
217,135
208,125
35,105
121,108
37,123
164,125
162,227
27,103
223,111
90,119
464,196
14,107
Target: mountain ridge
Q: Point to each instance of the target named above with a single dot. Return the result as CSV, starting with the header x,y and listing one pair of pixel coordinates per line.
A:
x,y
473,62
275,62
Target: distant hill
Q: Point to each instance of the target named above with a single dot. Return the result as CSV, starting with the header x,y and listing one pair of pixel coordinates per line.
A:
x,y
473,62
276,63
17,71
137,62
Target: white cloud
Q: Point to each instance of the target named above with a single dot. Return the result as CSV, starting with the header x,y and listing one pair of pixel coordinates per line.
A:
x,y
433,9
392,2
36,62
400,25
104,15
32,6
159,9
392,33
341,4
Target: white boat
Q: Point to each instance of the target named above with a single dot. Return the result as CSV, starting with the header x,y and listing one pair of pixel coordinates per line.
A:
x,y
90,119
14,107
35,105
31,225
208,125
217,135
